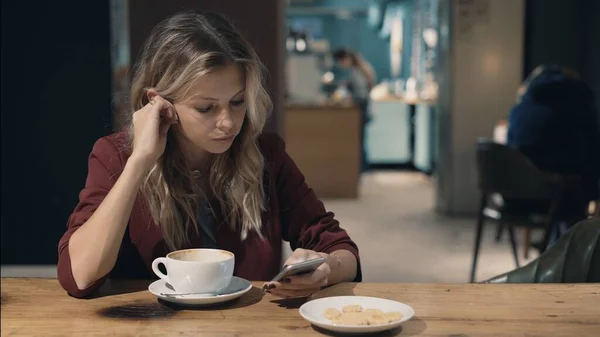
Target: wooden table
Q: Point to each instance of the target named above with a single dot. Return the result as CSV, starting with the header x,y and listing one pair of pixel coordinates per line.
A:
x,y
41,307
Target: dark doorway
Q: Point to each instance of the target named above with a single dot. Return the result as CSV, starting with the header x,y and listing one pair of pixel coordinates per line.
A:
x,y
56,101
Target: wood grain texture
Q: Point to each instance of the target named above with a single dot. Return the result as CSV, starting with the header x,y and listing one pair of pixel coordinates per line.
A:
x,y
324,142
41,307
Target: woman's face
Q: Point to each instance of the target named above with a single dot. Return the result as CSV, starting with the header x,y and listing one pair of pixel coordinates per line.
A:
x,y
345,62
212,113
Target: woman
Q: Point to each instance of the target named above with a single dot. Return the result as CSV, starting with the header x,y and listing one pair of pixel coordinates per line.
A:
x,y
362,80
193,169
554,123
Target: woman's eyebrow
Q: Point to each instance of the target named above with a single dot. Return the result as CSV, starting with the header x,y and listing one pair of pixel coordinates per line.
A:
x,y
239,92
200,96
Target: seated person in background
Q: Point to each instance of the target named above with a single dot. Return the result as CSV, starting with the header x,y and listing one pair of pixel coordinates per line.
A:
x,y
194,170
555,124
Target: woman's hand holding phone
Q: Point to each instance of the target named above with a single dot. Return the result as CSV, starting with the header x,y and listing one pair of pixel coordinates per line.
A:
x,y
302,285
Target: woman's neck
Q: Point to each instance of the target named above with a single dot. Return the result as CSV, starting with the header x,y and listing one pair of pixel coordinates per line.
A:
x,y
196,158
199,161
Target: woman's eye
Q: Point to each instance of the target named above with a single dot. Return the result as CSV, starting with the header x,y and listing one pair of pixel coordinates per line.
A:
x,y
238,102
204,109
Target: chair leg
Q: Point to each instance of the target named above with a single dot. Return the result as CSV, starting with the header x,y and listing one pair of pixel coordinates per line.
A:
x,y
499,231
479,230
550,221
526,242
513,244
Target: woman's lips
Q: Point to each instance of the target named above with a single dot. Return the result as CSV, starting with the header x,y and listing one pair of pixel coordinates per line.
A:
x,y
224,139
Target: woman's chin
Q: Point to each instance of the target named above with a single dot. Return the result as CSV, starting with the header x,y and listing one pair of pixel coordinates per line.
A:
x,y
219,146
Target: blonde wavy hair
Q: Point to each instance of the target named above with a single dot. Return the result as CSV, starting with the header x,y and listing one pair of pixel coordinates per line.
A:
x,y
180,50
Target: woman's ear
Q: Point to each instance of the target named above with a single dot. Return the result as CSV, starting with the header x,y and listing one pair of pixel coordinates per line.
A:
x,y
151,93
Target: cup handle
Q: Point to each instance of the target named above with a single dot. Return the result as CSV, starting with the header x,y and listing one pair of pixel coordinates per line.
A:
x,y
155,269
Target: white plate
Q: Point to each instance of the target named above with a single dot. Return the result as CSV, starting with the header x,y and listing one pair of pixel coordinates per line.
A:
x,y
313,312
235,289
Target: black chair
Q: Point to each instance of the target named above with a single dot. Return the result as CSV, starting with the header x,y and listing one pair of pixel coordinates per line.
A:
x,y
506,174
574,258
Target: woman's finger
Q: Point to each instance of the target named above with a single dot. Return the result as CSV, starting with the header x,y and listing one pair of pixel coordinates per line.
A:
x,y
168,112
169,116
164,128
165,108
290,286
319,276
164,112
314,278
160,105
298,255
294,293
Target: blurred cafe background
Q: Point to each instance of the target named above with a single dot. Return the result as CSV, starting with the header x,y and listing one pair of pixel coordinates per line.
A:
x,y
401,172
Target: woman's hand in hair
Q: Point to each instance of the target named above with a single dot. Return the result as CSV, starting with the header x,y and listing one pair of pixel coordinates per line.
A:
x,y
150,127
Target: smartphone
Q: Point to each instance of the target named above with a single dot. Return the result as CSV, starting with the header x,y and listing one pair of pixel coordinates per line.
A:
x,y
299,268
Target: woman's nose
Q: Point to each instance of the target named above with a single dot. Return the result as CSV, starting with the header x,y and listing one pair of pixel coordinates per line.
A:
x,y
225,122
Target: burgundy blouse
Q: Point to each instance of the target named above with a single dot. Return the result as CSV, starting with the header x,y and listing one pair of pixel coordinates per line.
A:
x,y
294,214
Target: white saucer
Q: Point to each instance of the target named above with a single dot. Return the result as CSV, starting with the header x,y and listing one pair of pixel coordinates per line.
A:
x,y
313,312
235,289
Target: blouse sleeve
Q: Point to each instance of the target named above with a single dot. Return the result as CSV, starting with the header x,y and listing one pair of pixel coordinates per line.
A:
x,y
305,222
100,180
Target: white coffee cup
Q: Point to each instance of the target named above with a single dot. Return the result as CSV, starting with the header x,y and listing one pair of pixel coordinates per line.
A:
x,y
197,270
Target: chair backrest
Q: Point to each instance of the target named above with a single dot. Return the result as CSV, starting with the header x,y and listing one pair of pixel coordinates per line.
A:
x,y
507,171
574,258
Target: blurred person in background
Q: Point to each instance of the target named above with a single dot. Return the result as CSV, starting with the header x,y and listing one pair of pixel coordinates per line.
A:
x,y
554,123
360,82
